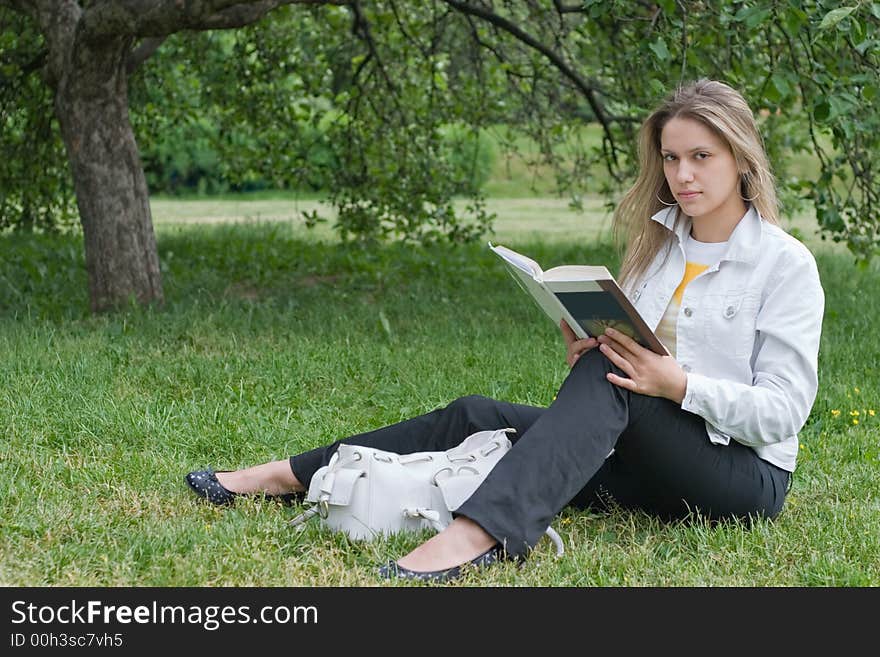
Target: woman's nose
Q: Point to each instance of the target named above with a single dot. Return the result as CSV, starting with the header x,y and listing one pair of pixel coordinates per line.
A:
x,y
685,173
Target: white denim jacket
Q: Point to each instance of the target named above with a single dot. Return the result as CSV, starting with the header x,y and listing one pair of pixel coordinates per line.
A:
x,y
747,332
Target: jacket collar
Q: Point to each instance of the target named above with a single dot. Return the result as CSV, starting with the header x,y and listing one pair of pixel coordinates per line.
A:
x,y
744,243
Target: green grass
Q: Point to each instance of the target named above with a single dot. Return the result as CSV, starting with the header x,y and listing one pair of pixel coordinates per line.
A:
x,y
273,341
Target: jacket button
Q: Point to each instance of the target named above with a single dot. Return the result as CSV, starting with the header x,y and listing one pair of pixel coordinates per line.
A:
x,y
686,368
730,311
688,312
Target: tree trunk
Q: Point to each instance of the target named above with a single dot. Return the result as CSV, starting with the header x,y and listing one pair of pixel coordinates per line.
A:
x,y
91,104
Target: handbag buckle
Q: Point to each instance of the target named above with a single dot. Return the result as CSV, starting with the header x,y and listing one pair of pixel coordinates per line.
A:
x,y
323,509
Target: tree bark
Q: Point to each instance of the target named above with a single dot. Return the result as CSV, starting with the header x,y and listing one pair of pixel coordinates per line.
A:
x,y
91,104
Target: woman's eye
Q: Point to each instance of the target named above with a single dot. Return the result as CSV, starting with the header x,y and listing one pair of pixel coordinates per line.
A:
x,y
668,157
702,156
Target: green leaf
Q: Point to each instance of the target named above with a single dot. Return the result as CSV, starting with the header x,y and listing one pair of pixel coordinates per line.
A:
x,y
862,47
821,111
781,83
657,86
659,49
752,16
841,105
794,18
858,30
757,18
833,17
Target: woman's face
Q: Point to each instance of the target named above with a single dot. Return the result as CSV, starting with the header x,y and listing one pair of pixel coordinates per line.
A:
x,y
701,171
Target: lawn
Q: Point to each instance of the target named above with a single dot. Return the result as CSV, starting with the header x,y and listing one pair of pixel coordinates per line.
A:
x,y
274,340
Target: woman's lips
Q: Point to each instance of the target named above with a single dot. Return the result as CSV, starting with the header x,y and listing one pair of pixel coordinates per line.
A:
x,y
687,195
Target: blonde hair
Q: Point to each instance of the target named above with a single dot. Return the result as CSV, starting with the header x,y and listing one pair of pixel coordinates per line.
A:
x,y
724,111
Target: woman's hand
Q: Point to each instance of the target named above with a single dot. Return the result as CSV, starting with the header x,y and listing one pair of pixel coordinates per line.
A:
x,y
649,373
575,347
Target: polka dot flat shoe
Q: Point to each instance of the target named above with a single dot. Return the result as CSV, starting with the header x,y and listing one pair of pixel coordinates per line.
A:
x,y
393,570
204,483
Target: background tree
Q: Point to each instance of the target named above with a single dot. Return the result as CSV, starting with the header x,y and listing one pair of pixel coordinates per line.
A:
x,y
812,67
383,103
35,186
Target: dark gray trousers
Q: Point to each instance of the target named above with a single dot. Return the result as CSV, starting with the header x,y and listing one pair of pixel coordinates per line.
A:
x,y
663,462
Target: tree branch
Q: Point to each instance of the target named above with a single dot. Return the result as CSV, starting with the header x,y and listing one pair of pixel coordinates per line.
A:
x,y
587,88
409,37
568,9
21,6
805,95
160,18
362,26
56,20
684,40
142,53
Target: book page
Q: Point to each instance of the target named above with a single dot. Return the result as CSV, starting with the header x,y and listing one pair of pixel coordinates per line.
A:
x,y
539,293
578,285
577,273
520,261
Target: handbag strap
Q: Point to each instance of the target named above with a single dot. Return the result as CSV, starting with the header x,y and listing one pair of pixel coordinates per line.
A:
x,y
304,517
320,508
406,459
430,515
557,541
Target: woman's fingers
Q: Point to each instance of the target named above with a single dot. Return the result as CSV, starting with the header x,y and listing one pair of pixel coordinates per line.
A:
x,y
576,348
617,359
584,345
567,333
629,384
626,346
623,338
618,348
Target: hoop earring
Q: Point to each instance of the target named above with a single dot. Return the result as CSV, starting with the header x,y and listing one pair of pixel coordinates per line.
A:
x,y
668,205
744,184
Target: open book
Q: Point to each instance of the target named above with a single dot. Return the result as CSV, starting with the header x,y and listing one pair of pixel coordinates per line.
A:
x,y
586,297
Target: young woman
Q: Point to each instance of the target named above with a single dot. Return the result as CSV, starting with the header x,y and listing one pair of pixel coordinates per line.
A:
x,y
711,429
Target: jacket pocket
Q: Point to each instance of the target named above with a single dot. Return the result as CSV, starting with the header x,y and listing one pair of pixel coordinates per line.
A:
x,y
730,321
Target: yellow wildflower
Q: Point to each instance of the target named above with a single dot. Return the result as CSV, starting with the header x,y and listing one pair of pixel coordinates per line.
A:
x,y
871,412
855,421
854,413
835,412
857,390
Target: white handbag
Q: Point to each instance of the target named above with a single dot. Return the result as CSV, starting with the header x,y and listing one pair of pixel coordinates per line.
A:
x,y
368,493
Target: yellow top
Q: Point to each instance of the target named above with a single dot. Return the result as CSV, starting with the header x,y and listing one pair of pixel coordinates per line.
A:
x,y
666,328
